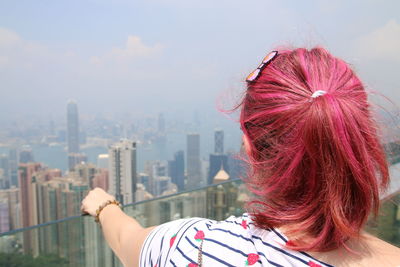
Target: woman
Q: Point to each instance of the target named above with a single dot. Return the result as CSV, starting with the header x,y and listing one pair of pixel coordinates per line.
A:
x,y
316,165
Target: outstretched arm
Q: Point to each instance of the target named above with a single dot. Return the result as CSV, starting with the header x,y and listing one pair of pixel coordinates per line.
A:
x,y
123,234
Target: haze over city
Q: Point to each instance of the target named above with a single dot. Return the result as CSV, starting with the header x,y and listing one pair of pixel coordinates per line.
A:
x,y
146,57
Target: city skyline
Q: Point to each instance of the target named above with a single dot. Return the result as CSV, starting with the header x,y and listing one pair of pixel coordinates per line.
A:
x,y
81,139
43,193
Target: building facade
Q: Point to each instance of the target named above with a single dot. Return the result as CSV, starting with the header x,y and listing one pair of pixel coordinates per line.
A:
x,y
176,170
194,177
72,127
219,141
122,171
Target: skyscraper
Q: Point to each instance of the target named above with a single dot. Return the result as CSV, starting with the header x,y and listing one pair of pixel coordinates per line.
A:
x,y
28,196
176,169
72,127
102,161
13,164
237,167
26,155
218,141
58,198
122,171
12,197
5,166
86,172
101,179
193,161
75,159
4,216
161,137
28,201
217,161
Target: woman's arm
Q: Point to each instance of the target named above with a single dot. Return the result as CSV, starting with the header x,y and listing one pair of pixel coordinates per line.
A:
x,y
123,234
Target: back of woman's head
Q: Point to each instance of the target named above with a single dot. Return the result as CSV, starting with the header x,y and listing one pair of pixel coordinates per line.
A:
x,y
316,161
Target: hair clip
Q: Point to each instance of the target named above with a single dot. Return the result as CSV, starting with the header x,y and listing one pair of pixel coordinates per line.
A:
x,y
267,59
318,93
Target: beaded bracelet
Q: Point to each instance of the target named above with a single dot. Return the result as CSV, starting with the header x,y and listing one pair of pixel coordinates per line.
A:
x,y
105,204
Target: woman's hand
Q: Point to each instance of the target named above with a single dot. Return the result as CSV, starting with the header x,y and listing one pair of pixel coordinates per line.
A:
x,y
94,199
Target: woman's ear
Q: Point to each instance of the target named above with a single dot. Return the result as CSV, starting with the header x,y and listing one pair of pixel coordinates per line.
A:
x,y
246,144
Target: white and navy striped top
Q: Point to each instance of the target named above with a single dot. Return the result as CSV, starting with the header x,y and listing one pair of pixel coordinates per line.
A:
x,y
233,242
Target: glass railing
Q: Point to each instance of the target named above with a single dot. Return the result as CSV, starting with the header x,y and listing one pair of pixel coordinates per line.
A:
x,y
78,241
387,224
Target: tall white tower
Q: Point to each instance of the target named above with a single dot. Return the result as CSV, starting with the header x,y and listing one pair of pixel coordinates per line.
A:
x,y
122,171
72,127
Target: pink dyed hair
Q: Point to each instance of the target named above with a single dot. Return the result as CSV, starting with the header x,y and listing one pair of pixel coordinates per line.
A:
x,y
315,163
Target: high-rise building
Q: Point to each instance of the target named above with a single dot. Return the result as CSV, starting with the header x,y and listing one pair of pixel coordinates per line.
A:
x,y
217,161
26,155
148,170
219,141
237,167
122,171
141,193
28,201
75,159
159,168
222,200
45,175
56,199
2,180
161,138
176,170
28,193
162,184
4,216
221,176
144,179
85,172
194,178
72,127
157,171
100,179
13,164
102,161
11,195
38,199
5,166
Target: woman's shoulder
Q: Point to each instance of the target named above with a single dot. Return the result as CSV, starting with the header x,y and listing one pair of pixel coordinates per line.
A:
x,y
367,250
377,252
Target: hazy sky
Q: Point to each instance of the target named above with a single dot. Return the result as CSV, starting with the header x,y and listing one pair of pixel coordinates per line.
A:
x,y
170,55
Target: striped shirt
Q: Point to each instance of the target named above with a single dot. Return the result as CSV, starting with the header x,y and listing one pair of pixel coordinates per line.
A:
x,y
233,242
